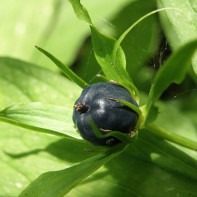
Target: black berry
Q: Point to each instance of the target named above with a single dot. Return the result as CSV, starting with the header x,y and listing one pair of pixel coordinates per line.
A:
x,y
95,104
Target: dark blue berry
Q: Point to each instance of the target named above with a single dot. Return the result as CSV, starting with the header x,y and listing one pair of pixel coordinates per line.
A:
x,y
108,115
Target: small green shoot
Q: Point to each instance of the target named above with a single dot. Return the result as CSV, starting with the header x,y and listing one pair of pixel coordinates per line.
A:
x,y
67,71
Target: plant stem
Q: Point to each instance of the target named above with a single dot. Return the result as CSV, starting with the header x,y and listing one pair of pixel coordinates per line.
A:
x,y
162,133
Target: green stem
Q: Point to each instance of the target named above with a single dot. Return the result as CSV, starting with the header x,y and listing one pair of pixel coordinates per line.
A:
x,y
134,24
104,78
162,133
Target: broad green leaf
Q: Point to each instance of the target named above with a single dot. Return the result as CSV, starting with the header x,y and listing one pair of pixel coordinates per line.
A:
x,y
26,155
147,148
25,82
173,70
59,183
180,28
49,119
66,70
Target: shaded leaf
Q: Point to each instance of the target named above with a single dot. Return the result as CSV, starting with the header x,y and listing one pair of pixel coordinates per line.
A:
x,y
59,183
173,70
167,156
150,167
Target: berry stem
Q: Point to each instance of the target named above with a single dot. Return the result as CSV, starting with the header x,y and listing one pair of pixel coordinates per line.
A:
x,y
167,135
104,78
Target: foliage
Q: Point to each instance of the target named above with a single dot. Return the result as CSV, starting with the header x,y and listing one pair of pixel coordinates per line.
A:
x,y
51,161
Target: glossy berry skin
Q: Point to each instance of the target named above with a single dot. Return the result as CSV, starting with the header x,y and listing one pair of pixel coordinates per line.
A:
x,y
94,104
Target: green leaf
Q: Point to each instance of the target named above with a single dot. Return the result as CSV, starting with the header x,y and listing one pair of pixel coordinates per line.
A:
x,y
150,167
175,119
80,11
142,42
59,183
22,82
152,114
179,123
168,135
180,28
136,172
49,119
160,163
124,138
24,155
138,46
103,50
165,155
114,69
69,73
173,70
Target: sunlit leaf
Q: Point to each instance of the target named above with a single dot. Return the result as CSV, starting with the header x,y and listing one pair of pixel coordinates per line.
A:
x,y
49,119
